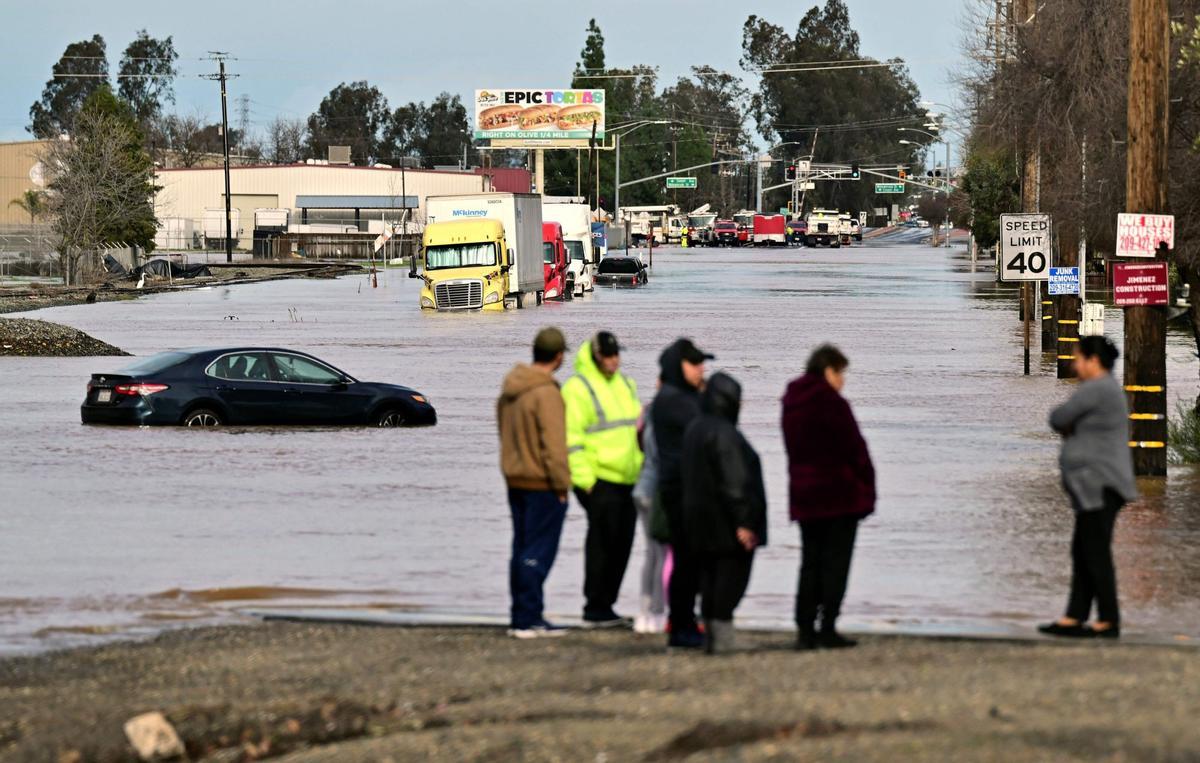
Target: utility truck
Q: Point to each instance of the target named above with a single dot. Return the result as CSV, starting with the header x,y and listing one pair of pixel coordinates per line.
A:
x,y
573,214
824,228
481,251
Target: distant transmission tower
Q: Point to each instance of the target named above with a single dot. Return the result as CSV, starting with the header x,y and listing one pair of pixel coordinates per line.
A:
x,y
243,106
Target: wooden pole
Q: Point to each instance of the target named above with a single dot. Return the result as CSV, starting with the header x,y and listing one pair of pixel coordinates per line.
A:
x,y
1026,291
1146,191
1068,309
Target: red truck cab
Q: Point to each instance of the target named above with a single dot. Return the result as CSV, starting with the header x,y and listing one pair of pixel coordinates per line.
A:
x,y
560,282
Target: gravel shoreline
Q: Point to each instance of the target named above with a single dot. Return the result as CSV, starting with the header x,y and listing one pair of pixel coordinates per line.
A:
x,y
309,692
29,338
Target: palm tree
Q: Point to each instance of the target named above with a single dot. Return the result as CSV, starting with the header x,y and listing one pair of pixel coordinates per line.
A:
x,y
33,202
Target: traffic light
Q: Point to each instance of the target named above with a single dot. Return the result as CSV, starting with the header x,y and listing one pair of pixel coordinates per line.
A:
x,y
903,174
854,173
789,173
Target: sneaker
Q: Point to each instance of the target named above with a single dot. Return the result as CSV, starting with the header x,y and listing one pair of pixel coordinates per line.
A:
x,y
606,620
689,639
650,624
541,630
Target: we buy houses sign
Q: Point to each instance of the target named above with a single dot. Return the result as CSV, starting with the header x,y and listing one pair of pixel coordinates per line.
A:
x,y
1139,235
1140,284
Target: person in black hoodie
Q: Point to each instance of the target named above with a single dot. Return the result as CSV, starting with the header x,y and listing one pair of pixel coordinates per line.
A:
x,y
724,507
675,406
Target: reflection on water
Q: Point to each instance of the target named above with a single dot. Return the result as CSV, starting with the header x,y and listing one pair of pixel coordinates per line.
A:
x,y
131,530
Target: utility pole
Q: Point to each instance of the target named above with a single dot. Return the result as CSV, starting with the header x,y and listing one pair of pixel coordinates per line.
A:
x,y
221,77
1068,311
1146,191
1024,9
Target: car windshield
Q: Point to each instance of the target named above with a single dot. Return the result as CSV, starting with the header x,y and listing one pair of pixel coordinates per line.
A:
x,y
618,265
154,363
460,256
701,221
548,252
576,250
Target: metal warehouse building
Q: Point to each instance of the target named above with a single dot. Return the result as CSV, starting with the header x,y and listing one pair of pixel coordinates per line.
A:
x,y
312,196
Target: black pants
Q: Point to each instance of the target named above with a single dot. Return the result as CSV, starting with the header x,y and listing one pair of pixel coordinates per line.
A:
x,y
1093,577
723,581
612,520
685,575
827,546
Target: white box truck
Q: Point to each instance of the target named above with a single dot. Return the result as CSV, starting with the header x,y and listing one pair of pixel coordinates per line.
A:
x,y
575,217
481,251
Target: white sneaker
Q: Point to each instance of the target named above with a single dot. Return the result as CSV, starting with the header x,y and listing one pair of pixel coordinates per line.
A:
x,y
650,624
537,631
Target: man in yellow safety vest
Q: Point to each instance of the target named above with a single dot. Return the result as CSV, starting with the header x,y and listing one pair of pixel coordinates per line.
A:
x,y
602,409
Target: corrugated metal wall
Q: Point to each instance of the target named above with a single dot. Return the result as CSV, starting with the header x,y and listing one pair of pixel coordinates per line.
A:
x,y
187,192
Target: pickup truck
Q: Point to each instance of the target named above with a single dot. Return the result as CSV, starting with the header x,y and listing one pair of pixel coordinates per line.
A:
x,y
726,232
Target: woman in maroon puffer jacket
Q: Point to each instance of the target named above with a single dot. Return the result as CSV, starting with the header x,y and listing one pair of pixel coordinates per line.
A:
x,y
832,487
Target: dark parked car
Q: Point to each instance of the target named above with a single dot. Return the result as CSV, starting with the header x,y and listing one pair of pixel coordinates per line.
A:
x,y
621,271
246,385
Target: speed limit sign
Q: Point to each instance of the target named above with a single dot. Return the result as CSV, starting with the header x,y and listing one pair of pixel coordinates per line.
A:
x,y
1025,246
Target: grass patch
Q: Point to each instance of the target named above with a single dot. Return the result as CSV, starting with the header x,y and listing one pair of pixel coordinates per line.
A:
x,y
1183,435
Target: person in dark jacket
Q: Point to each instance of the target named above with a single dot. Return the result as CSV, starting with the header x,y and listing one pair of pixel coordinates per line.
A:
x,y
832,488
1097,473
724,507
675,406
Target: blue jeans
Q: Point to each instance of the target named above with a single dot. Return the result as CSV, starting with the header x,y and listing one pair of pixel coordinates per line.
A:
x,y
537,517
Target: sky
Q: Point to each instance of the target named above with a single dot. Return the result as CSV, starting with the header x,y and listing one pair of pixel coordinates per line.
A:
x,y
288,56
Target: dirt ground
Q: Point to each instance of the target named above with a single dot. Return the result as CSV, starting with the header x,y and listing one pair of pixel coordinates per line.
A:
x,y
339,693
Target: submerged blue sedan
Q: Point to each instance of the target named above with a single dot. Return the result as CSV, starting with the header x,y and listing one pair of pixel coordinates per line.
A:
x,y
246,385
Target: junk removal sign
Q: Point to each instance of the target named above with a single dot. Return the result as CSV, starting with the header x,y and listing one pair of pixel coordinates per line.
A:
x,y
538,117
1063,281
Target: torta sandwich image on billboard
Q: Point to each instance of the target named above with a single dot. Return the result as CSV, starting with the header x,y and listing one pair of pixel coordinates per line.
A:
x,y
539,114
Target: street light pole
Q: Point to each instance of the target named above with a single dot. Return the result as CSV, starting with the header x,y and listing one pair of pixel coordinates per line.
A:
x,y
617,148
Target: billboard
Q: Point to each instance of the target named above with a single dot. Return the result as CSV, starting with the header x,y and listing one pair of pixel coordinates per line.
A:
x,y
538,116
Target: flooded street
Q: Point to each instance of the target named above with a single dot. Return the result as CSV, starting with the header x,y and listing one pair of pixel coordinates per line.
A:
x,y
109,530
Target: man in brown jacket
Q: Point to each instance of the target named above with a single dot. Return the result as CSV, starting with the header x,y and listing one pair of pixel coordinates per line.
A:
x,y
533,458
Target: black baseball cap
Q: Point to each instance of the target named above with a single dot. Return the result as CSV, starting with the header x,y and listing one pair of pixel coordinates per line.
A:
x,y
691,353
605,344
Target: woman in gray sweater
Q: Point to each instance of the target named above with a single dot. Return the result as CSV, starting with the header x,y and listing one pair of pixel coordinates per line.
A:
x,y
1097,473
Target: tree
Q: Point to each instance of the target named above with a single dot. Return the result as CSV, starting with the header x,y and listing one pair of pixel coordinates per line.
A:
x,y
285,141
82,70
147,75
32,202
591,58
351,115
435,133
854,111
990,183
102,182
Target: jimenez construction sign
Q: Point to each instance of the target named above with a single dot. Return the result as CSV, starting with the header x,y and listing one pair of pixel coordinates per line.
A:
x,y
543,116
1138,284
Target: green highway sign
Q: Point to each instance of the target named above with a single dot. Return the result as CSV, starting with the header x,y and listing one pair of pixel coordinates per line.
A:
x,y
681,182
889,188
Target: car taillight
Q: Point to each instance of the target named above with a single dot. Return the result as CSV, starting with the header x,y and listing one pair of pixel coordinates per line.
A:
x,y
635,280
145,388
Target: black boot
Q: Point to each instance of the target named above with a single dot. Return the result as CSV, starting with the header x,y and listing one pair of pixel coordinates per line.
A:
x,y
806,638
831,639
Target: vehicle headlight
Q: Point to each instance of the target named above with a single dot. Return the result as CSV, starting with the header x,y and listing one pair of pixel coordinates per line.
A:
x,y
492,298
427,302
420,399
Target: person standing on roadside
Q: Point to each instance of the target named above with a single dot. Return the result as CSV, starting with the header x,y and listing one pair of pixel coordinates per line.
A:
x,y
652,616
675,407
1097,474
724,507
533,458
832,488
602,414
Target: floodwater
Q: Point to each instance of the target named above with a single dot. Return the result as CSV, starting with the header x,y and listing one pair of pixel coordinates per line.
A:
x,y
121,531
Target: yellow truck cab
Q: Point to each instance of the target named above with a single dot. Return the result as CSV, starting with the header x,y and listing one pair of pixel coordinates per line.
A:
x,y
465,265
481,252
